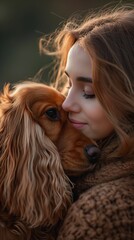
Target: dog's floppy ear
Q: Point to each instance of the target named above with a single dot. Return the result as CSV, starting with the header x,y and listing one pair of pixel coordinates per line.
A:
x,y
33,184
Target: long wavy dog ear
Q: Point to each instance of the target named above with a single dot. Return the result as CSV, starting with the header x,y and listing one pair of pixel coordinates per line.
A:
x,y
33,184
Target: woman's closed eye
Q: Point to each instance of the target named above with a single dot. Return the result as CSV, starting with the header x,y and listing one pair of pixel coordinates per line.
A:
x,y
88,92
88,95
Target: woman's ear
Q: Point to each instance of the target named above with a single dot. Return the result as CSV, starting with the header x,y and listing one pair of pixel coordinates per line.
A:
x,y
33,184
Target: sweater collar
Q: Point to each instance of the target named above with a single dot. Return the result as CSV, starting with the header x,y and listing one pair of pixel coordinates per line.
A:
x,y
104,173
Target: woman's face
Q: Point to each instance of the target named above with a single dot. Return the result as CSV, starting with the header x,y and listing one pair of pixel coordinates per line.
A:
x,y
85,111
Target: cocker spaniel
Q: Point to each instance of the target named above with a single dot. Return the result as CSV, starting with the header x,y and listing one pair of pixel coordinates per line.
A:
x,y
38,149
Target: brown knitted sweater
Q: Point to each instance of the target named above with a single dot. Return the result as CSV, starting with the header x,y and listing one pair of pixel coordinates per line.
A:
x,y
105,209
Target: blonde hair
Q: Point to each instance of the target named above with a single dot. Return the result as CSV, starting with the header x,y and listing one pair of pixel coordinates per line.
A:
x,y
109,38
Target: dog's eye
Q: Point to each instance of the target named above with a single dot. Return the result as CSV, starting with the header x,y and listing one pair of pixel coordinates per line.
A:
x,y
53,114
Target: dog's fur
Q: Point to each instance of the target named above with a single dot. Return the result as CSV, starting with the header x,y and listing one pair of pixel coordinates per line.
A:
x,y
36,143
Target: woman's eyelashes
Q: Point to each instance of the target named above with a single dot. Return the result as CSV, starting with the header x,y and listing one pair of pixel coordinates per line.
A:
x,y
88,95
88,92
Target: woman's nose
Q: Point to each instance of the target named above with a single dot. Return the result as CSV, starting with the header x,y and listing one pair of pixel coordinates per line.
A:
x,y
70,105
66,105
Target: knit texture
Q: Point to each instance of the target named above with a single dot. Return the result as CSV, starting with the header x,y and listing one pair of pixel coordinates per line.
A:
x,y
105,209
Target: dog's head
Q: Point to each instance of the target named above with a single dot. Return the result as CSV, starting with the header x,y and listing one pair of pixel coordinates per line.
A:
x,y
36,143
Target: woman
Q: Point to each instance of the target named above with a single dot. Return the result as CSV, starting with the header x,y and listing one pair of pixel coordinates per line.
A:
x,y
97,56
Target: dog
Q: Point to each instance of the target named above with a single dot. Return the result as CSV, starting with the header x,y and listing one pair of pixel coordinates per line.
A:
x,y
39,149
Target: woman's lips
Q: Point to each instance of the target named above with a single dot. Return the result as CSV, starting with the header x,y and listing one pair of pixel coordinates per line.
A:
x,y
77,124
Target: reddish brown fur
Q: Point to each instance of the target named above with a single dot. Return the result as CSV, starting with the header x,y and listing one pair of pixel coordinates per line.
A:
x,y
34,188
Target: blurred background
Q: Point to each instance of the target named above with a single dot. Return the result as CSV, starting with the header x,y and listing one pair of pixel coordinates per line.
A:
x,y
23,22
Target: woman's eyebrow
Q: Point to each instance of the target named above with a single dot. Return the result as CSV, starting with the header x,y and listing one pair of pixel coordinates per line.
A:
x,y
82,79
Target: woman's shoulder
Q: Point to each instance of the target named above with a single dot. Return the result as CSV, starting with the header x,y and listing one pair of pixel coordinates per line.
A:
x,y
105,209
107,196
112,189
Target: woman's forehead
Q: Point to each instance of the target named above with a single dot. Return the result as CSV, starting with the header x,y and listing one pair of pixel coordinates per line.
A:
x,y
78,61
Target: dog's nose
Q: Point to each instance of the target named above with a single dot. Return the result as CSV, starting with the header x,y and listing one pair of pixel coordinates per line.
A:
x,y
92,153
